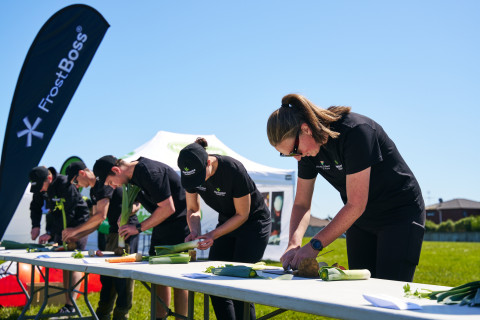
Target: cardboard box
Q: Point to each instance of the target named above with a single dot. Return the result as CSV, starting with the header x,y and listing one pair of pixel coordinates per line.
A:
x,y
39,295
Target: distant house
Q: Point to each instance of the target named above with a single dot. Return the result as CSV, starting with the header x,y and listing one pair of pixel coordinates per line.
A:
x,y
315,225
454,210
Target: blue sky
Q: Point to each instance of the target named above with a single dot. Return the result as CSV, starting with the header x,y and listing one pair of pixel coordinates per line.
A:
x,y
222,67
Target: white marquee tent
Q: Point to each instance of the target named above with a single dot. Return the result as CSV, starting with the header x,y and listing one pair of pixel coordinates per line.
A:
x,y
277,185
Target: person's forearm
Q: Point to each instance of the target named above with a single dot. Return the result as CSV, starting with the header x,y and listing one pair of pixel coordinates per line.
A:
x,y
90,225
299,221
193,220
231,224
339,224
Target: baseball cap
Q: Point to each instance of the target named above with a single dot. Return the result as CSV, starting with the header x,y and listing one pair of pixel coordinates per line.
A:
x,y
192,162
103,167
37,176
73,168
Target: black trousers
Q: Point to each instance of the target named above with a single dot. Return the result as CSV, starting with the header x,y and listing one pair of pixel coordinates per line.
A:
x,y
246,244
116,292
390,252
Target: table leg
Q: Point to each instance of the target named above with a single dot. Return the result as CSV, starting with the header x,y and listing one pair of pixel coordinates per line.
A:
x,y
206,306
153,300
246,311
191,305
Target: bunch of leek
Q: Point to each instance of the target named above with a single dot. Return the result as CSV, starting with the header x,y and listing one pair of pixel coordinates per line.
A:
x,y
334,273
181,247
173,258
130,192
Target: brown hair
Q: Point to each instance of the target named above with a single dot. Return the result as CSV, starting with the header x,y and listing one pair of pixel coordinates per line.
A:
x,y
203,142
286,121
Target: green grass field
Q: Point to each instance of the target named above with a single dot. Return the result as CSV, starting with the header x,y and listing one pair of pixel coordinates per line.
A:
x,y
441,263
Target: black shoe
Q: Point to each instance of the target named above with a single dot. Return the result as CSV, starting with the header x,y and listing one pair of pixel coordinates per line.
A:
x,y
67,309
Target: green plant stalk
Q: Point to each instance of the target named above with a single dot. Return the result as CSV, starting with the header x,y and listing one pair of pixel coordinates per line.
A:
x,y
130,192
235,271
170,258
61,206
333,273
181,247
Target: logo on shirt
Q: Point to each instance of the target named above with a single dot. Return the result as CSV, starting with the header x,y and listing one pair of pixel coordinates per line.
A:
x,y
188,172
201,188
338,165
323,166
219,193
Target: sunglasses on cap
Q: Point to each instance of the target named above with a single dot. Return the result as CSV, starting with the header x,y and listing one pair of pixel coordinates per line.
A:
x,y
294,152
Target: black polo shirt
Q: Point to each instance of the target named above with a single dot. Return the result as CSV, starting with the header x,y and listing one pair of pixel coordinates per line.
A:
x,y
100,191
158,182
230,181
76,209
363,143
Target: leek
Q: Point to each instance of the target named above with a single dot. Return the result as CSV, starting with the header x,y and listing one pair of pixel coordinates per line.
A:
x,y
130,192
60,205
181,247
333,273
235,271
170,258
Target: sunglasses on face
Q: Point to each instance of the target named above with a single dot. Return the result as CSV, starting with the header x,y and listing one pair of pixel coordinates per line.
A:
x,y
294,152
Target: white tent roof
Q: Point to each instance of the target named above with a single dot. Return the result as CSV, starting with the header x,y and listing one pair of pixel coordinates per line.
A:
x,y
165,146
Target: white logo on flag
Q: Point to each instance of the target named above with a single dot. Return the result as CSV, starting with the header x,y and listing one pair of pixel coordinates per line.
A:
x,y
30,131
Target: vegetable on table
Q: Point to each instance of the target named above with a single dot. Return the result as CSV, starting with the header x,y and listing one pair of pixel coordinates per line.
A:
x,y
235,271
181,247
130,192
174,258
77,255
334,273
465,294
10,245
135,257
309,268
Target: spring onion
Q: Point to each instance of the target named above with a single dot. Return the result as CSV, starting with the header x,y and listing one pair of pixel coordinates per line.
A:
x,y
333,273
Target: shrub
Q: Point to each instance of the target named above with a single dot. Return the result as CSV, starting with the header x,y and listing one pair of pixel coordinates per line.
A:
x,y
431,226
447,226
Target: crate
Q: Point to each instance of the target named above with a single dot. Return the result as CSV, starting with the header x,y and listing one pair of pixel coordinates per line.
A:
x,y
39,295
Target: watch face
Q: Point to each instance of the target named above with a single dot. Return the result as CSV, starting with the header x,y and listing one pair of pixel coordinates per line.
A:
x,y
316,244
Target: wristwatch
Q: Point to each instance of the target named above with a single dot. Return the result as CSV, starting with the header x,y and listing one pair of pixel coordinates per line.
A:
x,y
139,227
316,244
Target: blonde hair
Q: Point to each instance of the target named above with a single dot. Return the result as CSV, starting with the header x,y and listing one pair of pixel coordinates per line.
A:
x,y
286,121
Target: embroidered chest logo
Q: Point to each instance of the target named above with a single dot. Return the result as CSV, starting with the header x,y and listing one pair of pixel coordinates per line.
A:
x,y
323,166
339,166
219,193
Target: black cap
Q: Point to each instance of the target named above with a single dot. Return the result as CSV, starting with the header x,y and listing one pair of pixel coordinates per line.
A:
x,y
192,162
73,168
103,167
37,176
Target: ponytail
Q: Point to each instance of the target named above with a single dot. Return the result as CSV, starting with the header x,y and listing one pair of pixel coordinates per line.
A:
x,y
286,121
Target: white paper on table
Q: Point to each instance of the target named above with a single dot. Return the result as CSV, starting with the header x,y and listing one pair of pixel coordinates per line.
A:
x,y
43,256
196,275
386,301
90,261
